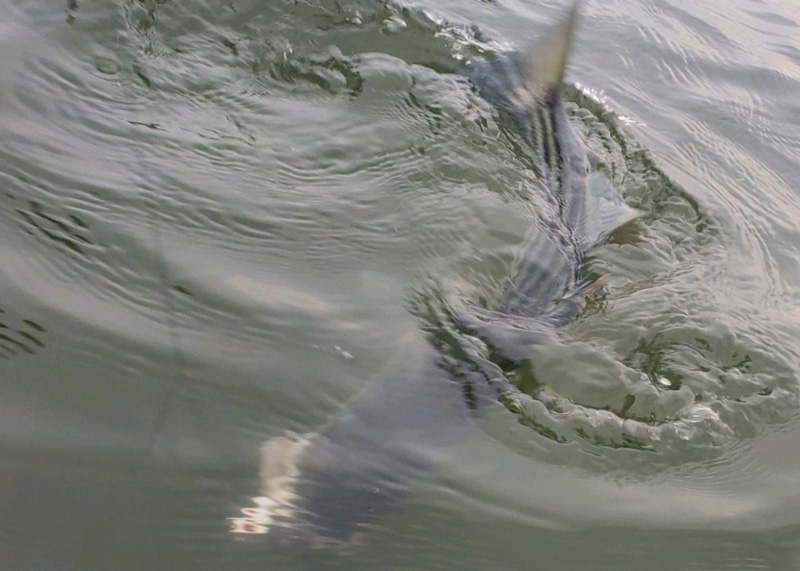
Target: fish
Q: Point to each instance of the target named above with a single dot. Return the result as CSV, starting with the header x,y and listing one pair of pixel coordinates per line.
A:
x,y
329,487
547,290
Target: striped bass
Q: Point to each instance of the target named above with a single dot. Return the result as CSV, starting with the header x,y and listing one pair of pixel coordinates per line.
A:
x,y
547,289
325,488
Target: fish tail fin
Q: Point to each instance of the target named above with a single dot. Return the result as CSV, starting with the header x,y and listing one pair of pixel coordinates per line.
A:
x,y
546,60
278,472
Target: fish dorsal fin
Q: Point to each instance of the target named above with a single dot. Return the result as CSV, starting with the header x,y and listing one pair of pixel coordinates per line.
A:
x,y
608,212
546,60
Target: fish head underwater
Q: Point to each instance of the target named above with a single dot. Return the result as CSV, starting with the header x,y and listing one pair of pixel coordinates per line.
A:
x,y
326,488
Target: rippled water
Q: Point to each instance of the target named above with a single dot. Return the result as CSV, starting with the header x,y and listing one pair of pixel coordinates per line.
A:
x,y
221,221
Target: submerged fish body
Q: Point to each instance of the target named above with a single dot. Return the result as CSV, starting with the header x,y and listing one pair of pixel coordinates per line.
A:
x,y
546,290
325,488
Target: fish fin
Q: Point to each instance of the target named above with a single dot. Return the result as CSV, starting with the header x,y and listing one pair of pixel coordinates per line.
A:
x,y
519,81
278,472
569,307
580,294
609,211
592,287
546,60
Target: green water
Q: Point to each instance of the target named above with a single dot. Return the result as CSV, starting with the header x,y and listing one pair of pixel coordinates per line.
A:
x,y
221,221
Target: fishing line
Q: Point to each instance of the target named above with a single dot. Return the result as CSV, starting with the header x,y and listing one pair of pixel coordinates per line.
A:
x,y
170,322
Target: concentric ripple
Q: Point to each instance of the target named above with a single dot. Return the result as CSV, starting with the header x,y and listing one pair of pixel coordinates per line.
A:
x,y
213,215
658,363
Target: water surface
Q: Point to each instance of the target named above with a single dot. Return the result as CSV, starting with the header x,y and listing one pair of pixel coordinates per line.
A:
x,y
224,221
